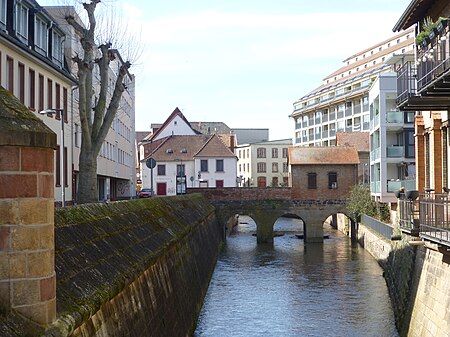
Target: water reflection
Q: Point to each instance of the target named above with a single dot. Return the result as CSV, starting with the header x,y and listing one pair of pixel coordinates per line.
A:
x,y
293,289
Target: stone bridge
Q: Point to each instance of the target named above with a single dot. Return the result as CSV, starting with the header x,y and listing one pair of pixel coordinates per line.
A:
x,y
266,205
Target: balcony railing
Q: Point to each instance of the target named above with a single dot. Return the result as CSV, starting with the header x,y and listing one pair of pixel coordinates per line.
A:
x,y
397,184
433,57
395,151
375,187
408,206
395,116
434,217
381,228
406,82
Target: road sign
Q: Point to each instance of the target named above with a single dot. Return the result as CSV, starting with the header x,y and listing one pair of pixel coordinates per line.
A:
x,y
151,163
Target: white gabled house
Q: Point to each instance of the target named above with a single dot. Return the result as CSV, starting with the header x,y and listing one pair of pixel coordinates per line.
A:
x,y
185,158
189,161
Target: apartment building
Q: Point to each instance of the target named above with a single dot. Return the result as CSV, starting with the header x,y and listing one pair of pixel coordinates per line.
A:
x,y
423,87
263,164
116,162
392,163
33,67
341,103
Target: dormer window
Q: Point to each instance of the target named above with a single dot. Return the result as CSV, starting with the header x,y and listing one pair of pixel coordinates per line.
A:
x,y
22,22
57,48
40,36
3,14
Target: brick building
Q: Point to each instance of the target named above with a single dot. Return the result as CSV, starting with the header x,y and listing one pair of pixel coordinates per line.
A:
x,y
322,172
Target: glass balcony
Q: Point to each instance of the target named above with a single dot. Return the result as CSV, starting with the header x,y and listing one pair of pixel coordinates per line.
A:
x,y
394,117
375,186
395,184
375,154
395,151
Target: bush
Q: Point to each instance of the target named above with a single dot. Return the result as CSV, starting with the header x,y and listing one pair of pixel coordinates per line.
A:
x,y
360,202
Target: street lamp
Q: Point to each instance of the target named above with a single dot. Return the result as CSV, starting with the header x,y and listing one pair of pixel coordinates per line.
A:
x,y
62,161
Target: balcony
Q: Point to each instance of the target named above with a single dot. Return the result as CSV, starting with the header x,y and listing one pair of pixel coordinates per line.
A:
x,y
375,186
395,151
394,116
396,184
427,87
434,218
375,154
375,122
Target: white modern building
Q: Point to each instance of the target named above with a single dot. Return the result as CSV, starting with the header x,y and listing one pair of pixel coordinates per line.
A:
x,y
263,164
392,163
341,103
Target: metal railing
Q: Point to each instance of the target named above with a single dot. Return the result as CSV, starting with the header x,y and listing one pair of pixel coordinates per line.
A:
x,y
384,229
406,82
434,217
409,215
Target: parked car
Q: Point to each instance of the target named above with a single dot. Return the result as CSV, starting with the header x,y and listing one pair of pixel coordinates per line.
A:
x,y
145,193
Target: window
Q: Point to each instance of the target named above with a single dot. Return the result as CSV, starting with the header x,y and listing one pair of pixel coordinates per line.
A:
x,y
40,36
332,180
22,21
3,14
180,170
10,74
58,101
274,167
58,165
274,181
161,169
204,165
50,94
57,48
261,167
240,168
32,88
21,83
41,92
219,165
285,181
285,167
285,152
274,153
248,153
65,101
312,181
77,135
260,152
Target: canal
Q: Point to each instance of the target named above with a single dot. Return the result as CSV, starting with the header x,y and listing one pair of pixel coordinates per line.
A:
x,y
295,289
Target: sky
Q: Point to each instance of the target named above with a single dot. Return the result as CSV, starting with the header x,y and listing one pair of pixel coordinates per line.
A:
x,y
244,62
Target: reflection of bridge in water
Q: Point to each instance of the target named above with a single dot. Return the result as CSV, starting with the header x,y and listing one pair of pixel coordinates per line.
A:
x,y
265,206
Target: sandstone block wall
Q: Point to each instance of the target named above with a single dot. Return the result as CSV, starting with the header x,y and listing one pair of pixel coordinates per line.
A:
x,y
134,268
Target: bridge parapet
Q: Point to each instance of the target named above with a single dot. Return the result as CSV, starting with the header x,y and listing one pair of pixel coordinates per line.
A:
x,y
244,193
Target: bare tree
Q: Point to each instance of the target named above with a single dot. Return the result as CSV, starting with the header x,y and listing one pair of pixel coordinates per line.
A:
x,y
97,108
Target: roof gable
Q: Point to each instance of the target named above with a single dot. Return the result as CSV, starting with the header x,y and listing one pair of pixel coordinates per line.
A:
x,y
175,124
214,147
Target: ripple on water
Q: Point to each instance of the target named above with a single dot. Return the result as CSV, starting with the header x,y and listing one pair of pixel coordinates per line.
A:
x,y
292,289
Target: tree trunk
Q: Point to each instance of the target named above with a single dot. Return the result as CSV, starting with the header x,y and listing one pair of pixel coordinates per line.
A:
x,y
87,183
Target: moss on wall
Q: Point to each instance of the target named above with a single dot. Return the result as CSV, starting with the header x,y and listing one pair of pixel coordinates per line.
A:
x,y
101,249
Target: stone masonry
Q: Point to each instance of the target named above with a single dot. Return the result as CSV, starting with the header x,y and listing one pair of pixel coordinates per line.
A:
x,y
27,272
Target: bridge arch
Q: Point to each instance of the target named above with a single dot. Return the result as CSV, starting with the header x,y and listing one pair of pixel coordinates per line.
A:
x,y
266,212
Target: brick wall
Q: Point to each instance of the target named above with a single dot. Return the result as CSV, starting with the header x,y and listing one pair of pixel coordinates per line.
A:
x,y
346,178
27,271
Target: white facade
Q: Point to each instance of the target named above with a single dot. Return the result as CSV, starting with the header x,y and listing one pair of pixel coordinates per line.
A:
x,y
211,177
392,163
263,164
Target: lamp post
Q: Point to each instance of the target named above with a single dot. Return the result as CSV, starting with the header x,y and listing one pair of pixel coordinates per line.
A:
x,y
62,161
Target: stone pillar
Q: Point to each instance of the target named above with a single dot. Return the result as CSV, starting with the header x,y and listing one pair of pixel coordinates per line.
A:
x,y
27,270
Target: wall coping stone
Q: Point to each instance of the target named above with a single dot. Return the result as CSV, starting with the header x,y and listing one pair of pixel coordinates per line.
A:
x,y
20,127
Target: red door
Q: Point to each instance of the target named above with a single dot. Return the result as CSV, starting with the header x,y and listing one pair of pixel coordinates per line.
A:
x,y
161,189
219,183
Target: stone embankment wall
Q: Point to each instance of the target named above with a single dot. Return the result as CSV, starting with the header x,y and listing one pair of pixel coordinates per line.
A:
x,y
134,268
418,280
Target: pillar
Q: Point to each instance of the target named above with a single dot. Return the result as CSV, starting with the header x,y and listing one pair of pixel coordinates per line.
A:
x,y
27,270
420,152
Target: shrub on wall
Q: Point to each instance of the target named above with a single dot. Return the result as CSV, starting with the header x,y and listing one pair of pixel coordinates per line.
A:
x,y
360,202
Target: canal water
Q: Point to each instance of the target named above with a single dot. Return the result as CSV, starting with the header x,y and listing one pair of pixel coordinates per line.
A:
x,y
295,289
